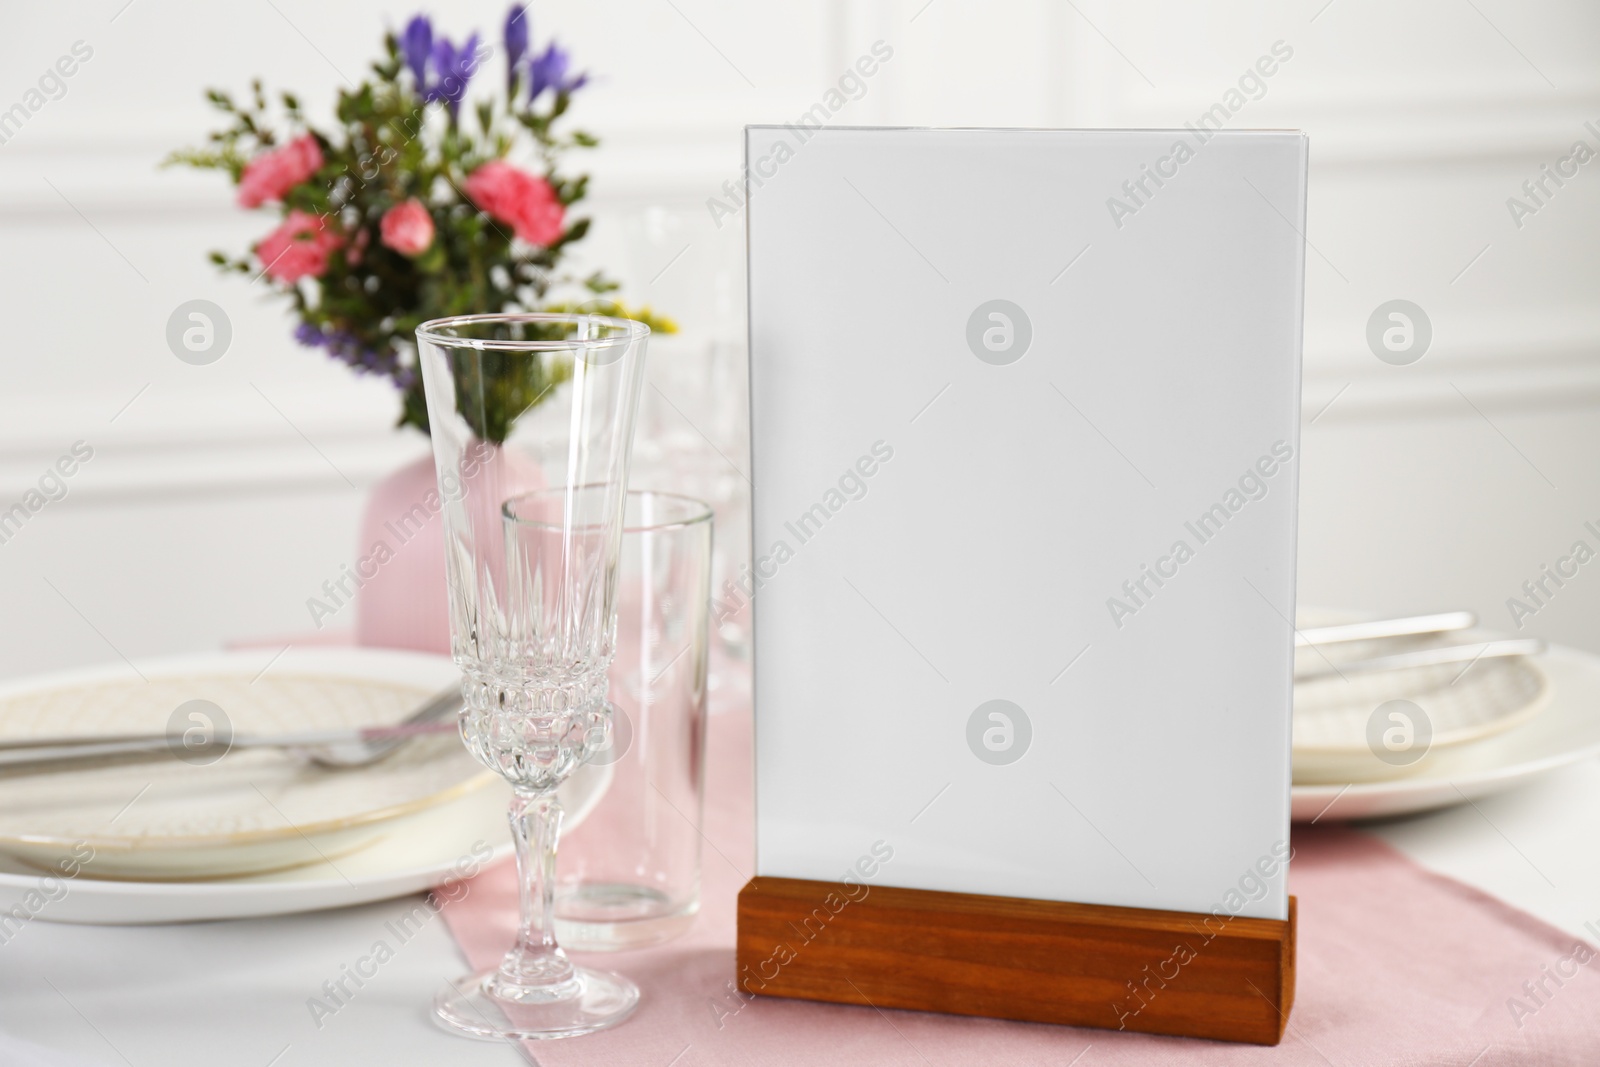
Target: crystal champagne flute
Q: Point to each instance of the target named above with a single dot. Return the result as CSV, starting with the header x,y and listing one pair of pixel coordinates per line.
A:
x,y
532,423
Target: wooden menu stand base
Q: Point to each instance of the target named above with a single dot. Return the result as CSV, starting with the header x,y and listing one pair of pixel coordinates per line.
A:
x,y
1161,972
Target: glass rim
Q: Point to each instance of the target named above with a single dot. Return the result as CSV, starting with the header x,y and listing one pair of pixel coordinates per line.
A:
x,y
433,332
699,511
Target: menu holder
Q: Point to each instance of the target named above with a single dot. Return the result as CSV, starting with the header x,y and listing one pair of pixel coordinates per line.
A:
x,y
1025,411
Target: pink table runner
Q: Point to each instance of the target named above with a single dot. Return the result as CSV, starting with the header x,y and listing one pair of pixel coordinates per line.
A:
x,y
1396,966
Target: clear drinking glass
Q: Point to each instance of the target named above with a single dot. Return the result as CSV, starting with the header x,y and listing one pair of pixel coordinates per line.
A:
x,y
532,422
631,876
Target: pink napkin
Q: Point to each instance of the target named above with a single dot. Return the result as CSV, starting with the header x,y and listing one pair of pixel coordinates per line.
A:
x,y
1396,966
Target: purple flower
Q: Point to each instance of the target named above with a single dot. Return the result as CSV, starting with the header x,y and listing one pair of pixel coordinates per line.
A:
x,y
440,71
549,71
516,37
346,347
454,69
416,44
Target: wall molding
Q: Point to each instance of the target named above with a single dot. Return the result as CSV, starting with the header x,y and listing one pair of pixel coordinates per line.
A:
x,y
204,443
688,151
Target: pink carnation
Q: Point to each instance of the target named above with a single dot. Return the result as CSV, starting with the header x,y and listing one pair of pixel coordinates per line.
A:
x,y
299,248
407,228
271,176
525,202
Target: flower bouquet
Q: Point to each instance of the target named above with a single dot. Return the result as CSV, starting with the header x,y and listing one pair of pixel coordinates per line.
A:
x,y
418,203
409,207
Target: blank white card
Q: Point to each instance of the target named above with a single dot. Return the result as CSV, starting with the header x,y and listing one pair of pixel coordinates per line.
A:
x,y
1025,410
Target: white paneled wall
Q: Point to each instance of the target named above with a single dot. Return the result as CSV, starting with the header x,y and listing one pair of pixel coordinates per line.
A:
x,y
220,497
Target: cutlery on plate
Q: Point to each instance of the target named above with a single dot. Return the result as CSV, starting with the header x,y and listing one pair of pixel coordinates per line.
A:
x,y
371,747
1369,629
1428,657
336,748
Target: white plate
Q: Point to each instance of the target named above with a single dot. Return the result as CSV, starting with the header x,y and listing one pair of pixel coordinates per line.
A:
x,y
250,811
413,853
1331,714
1565,731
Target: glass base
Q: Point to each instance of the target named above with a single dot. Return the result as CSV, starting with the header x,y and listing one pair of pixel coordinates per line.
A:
x,y
597,1000
616,916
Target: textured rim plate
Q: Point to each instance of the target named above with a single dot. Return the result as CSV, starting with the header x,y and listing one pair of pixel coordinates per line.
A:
x,y
414,853
1331,714
1566,731
417,852
250,811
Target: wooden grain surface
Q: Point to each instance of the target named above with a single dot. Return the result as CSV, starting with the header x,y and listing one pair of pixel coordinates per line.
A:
x,y
1164,972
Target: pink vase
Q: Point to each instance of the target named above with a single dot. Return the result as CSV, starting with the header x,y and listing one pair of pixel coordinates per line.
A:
x,y
403,599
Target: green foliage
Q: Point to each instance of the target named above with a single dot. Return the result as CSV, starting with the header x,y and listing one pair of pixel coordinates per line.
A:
x,y
497,387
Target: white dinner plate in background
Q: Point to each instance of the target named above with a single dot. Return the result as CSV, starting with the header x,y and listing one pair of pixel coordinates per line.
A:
x,y
1463,705
1565,731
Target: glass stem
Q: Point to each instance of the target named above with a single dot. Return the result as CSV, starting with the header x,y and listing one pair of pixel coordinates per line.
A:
x,y
535,968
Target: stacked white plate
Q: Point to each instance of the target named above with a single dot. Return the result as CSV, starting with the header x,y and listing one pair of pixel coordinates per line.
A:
x,y
257,832
1490,725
